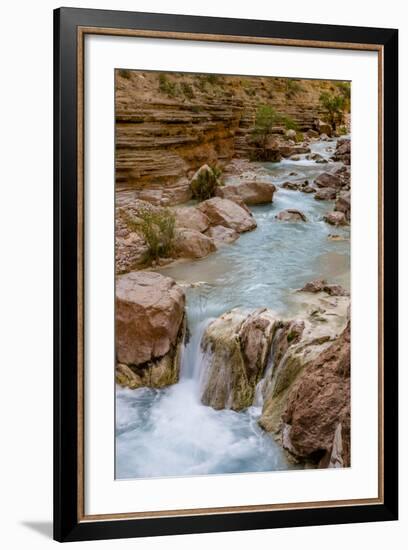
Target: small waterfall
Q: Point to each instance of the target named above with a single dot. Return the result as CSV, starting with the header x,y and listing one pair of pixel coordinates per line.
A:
x,y
264,382
194,360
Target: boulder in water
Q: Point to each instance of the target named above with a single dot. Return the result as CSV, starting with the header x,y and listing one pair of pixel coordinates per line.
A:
x,y
250,192
190,243
189,217
326,194
335,218
327,179
291,215
227,213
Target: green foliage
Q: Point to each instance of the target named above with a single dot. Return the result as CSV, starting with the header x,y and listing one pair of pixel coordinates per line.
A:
x,y
265,119
187,90
205,183
292,87
290,123
211,78
167,86
335,106
342,130
157,227
299,137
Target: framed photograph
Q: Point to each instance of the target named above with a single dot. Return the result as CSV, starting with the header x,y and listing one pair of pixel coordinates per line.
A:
x,y
225,274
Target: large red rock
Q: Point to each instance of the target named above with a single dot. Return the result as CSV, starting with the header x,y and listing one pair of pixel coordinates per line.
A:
x,y
149,316
318,404
227,213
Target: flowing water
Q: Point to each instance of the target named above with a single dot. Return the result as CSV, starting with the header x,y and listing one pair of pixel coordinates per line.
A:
x,y
169,432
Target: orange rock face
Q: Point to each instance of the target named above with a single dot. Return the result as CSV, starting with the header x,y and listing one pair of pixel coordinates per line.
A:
x,y
319,402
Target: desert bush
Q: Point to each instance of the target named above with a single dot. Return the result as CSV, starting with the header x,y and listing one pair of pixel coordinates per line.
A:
x,y
335,105
205,182
187,90
292,87
157,227
167,86
290,123
265,119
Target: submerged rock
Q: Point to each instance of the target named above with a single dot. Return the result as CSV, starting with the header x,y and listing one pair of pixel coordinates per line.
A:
x,y
237,344
228,213
291,215
149,327
251,192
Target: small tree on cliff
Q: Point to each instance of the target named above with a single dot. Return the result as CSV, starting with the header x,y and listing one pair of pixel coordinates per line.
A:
x,y
265,119
335,106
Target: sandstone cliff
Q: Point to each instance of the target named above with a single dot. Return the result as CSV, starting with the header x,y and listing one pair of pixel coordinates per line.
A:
x,y
169,124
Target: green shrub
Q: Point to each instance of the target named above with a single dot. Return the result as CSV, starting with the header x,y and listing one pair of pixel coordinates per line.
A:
x,y
211,78
290,123
292,87
205,182
167,86
187,90
335,105
157,227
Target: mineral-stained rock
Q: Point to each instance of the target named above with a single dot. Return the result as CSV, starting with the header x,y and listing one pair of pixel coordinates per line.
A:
x,y
335,218
319,403
222,235
326,194
250,192
326,179
291,215
306,389
190,243
188,217
227,213
237,344
342,204
149,317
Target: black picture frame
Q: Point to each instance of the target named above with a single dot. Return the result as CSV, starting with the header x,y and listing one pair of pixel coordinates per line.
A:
x,y
67,523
